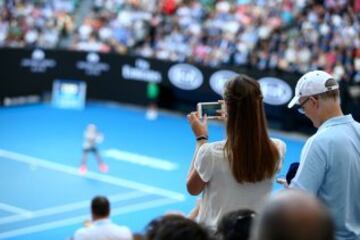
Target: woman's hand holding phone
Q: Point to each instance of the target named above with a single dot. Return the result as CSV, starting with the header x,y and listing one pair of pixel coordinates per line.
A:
x,y
198,127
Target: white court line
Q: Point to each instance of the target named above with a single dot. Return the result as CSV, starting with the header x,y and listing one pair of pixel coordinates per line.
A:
x,y
139,159
13,209
68,208
75,220
92,175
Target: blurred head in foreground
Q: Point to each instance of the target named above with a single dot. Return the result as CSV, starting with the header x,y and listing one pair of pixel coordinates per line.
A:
x,y
293,215
175,227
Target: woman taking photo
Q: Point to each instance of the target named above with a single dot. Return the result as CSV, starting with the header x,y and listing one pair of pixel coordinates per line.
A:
x,y
236,173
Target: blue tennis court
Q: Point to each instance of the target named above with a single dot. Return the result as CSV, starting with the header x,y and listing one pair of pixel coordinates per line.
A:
x,y
42,194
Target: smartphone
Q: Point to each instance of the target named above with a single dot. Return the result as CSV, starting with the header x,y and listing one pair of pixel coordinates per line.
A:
x,y
210,109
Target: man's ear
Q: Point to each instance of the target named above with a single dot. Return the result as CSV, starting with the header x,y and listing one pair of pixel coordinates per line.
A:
x,y
316,102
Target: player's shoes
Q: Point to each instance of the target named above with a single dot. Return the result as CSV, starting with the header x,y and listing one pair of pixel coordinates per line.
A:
x,y
103,168
82,169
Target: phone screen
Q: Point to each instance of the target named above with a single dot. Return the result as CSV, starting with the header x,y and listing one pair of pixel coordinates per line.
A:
x,y
209,109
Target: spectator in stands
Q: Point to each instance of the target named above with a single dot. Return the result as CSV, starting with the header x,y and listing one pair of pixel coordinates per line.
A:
x,y
235,225
330,160
237,172
293,215
175,227
101,227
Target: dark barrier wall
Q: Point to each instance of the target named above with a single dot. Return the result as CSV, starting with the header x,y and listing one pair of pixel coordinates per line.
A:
x,y
125,78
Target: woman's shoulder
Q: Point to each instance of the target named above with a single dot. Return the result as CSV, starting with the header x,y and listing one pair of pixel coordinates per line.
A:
x,y
217,146
280,144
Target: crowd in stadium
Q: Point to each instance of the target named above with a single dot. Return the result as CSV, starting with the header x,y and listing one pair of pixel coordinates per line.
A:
x,y
35,23
288,35
294,36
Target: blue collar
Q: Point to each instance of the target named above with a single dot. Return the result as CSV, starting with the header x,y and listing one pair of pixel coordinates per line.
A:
x,y
336,121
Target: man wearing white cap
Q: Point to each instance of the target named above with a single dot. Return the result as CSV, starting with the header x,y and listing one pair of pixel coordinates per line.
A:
x,y
330,160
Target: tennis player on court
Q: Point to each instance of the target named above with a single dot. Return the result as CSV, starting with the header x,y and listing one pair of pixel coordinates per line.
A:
x,y
91,138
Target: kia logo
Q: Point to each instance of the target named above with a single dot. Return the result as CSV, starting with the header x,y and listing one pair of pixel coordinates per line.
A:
x,y
275,91
185,76
219,79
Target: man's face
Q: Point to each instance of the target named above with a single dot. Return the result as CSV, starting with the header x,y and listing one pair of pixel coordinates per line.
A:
x,y
309,107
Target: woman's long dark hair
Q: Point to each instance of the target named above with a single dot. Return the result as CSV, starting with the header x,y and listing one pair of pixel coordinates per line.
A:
x,y
252,155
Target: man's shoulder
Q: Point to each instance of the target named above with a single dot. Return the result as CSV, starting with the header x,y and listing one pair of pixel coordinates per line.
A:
x,y
82,233
356,124
317,143
336,133
119,228
325,136
327,139
122,232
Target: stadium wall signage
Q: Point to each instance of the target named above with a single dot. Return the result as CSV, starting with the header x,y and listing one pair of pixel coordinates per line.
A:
x,y
185,76
275,91
92,65
219,79
141,72
38,63
124,78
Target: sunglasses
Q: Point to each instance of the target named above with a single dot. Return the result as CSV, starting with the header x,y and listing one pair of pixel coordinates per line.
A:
x,y
301,108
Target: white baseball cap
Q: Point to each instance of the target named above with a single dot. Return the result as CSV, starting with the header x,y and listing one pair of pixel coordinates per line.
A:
x,y
312,83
